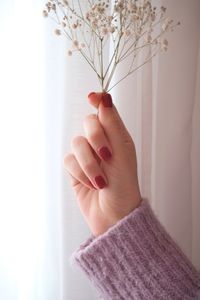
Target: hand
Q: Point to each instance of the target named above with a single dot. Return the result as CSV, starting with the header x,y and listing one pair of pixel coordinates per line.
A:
x,y
103,167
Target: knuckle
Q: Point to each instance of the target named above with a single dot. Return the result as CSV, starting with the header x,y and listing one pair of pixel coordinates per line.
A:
x,y
80,174
129,144
113,121
127,138
118,126
89,118
89,166
94,136
77,141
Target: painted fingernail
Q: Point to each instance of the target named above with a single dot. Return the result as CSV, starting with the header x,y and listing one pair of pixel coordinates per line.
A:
x,y
90,94
100,182
105,153
107,100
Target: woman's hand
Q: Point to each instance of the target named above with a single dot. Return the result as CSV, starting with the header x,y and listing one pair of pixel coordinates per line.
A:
x,y
103,167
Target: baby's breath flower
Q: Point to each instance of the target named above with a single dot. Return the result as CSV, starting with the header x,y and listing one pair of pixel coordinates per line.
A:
x,y
65,2
163,9
75,44
45,14
129,25
153,17
57,32
69,53
74,26
63,24
135,17
49,5
127,32
104,31
53,7
111,29
166,24
148,38
164,45
131,6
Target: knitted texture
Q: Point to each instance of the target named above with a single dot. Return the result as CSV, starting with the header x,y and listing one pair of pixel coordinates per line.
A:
x,y
137,259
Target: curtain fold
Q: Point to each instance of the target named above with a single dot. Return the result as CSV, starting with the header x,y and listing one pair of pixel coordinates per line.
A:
x,y
195,163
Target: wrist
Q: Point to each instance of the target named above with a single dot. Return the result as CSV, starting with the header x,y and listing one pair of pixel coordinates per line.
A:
x,y
115,216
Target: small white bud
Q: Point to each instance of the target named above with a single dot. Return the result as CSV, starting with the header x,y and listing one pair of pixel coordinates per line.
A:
x,y
75,44
164,45
57,32
127,32
104,31
63,24
45,14
74,26
65,2
112,29
69,53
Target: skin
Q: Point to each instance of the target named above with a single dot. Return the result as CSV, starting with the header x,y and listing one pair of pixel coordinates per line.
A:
x,y
102,208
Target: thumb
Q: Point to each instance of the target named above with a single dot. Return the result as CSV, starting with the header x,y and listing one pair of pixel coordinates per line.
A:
x,y
110,119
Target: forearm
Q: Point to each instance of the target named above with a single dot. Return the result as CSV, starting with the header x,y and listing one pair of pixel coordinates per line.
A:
x,y
137,259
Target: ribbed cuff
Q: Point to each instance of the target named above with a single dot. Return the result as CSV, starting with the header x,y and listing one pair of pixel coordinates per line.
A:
x,y
137,259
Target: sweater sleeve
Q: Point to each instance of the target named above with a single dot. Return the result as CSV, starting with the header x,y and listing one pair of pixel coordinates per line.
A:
x,y
137,259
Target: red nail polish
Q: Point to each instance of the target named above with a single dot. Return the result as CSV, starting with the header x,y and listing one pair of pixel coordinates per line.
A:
x,y
107,100
100,182
105,153
90,94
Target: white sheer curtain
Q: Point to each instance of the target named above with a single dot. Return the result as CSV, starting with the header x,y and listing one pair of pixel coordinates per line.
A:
x,y
43,100
29,134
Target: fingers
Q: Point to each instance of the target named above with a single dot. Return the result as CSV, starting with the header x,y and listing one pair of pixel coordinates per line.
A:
x,y
97,138
74,169
110,120
87,162
95,99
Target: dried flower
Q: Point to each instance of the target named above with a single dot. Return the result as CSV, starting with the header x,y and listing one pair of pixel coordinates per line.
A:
x,y
166,24
45,13
63,24
57,31
129,26
65,2
164,45
69,53
75,44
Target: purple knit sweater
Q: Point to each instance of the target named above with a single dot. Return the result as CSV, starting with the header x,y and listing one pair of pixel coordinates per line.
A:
x,y
137,259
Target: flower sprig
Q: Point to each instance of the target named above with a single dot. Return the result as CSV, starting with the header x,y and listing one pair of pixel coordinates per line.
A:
x,y
127,27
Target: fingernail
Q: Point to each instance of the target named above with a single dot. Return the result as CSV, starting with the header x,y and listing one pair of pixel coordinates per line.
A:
x,y
105,153
90,94
100,182
107,100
